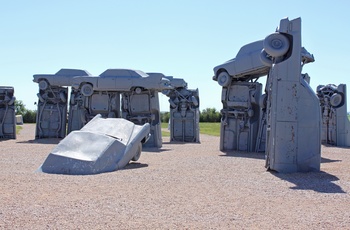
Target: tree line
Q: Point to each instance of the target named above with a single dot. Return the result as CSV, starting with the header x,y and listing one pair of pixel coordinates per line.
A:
x,y
29,116
207,115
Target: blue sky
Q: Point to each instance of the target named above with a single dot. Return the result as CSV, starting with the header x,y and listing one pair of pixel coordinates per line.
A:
x,y
183,38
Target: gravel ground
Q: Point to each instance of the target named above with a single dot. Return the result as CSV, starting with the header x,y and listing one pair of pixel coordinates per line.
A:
x,y
180,186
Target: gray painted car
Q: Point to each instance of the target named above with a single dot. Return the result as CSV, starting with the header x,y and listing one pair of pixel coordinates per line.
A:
x,y
249,62
120,80
102,145
63,77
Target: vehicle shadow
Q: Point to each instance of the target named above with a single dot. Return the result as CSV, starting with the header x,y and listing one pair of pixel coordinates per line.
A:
x,y
261,155
134,165
334,146
41,141
154,149
327,160
179,142
321,182
255,155
5,139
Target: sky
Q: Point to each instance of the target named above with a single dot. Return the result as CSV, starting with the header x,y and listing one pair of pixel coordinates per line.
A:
x,y
184,39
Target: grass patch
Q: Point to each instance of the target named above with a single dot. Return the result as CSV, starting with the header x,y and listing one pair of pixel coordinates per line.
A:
x,y
165,131
18,128
209,128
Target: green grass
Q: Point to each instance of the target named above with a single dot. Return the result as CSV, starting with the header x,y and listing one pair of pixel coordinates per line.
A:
x,y
165,131
208,128
164,125
18,128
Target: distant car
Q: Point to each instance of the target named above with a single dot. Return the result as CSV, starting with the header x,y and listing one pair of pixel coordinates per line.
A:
x,y
176,83
120,80
102,145
330,94
247,64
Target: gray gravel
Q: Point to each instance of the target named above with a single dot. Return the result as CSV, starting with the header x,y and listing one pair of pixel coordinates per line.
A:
x,y
180,186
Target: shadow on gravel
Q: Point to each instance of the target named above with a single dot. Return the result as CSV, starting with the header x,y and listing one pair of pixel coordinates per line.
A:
x,y
41,141
178,143
334,146
254,155
326,160
5,139
154,150
321,182
134,165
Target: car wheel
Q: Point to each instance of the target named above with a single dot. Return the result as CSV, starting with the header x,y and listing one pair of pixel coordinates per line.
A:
x,y
43,84
263,101
138,153
63,97
138,90
166,92
336,100
87,90
11,101
267,61
72,99
41,99
276,45
224,79
172,104
194,101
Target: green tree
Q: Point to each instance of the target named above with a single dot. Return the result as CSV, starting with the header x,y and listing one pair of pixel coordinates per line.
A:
x,y
20,108
210,115
165,116
29,116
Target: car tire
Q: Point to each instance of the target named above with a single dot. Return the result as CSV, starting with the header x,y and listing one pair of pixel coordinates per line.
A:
x,y
276,45
43,84
41,99
336,100
11,101
63,97
194,101
224,79
72,99
138,153
265,59
86,90
172,104
166,92
263,101
138,90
